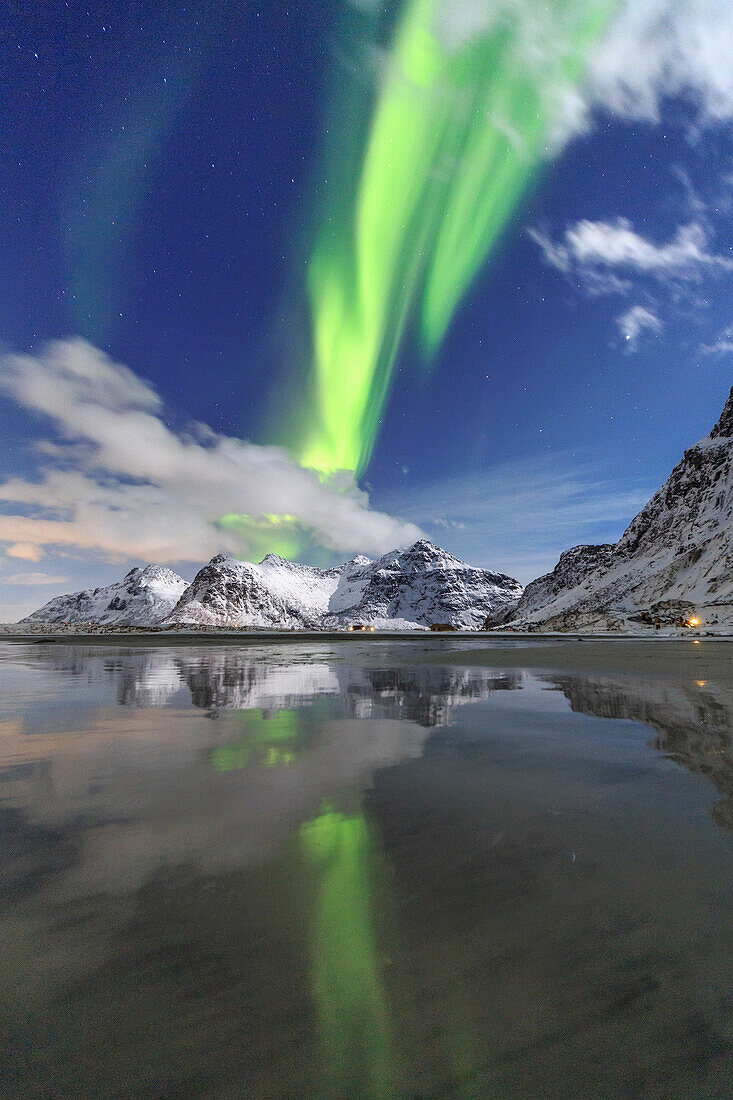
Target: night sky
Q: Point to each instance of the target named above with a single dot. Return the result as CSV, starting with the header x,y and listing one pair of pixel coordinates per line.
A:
x,y
165,172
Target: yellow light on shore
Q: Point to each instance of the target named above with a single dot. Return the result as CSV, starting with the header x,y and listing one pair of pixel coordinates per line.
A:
x,y
693,622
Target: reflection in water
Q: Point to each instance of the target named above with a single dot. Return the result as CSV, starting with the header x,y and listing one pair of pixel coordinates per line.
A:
x,y
268,743
347,981
263,677
693,721
353,883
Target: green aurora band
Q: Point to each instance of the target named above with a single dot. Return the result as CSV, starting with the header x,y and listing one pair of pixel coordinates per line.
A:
x,y
344,893
348,990
420,193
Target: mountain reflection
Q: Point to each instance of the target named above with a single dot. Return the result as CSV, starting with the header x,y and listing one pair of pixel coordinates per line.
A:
x,y
258,679
693,721
273,688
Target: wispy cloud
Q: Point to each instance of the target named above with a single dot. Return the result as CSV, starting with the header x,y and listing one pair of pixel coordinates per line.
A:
x,y
636,321
591,247
32,579
720,347
518,517
611,258
116,480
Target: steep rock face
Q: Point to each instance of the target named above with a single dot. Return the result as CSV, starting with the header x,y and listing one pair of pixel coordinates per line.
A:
x,y
679,547
405,588
142,598
724,427
574,566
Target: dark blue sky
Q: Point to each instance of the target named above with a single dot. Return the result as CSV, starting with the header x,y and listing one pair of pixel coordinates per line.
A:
x,y
158,163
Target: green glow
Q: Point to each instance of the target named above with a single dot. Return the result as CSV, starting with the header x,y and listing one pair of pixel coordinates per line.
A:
x,y
455,137
266,534
347,984
114,174
268,742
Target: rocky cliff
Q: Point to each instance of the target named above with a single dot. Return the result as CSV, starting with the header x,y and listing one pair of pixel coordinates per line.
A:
x,y
674,560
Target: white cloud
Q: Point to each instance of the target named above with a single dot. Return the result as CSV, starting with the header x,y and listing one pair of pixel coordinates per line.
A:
x,y
33,579
519,516
651,49
25,551
117,481
591,247
634,322
720,347
658,48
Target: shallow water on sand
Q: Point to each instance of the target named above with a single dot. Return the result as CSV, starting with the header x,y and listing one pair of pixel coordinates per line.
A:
x,y
357,870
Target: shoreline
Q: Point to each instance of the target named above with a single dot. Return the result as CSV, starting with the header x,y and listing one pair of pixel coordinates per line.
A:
x,y
690,659
248,637
245,637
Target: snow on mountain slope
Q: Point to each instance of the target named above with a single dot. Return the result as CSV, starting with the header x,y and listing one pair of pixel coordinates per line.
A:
x,y
275,593
351,584
406,588
419,586
142,598
679,548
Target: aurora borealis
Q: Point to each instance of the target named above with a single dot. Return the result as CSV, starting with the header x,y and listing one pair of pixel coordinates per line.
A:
x,y
348,986
456,133
327,328
384,268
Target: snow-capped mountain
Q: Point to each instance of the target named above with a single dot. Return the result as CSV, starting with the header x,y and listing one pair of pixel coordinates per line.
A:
x,y
276,592
674,561
406,588
142,598
418,586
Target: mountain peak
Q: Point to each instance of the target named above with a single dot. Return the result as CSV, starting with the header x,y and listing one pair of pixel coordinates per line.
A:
x,y
416,586
160,573
724,427
357,562
425,546
143,597
425,552
279,562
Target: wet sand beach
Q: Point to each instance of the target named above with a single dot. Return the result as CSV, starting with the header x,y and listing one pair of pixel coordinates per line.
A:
x,y
431,867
